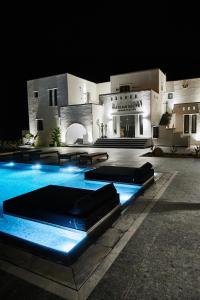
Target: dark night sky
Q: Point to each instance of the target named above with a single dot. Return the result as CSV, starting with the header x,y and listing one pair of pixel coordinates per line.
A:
x,y
92,41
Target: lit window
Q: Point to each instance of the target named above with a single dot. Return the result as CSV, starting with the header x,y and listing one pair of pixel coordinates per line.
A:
x,y
35,94
188,107
193,107
183,108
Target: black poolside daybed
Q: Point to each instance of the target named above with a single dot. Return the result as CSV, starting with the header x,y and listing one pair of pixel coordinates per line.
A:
x,y
20,154
91,157
70,155
63,206
39,154
139,176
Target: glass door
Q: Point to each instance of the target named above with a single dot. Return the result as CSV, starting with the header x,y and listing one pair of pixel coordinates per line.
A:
x,y
127,126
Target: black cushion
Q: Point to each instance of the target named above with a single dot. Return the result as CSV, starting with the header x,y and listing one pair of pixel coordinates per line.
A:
x,y
53,198
122,174
146,166
88,203
61,206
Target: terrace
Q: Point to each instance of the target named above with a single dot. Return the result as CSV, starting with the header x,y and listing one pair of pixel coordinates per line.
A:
x,y
153,243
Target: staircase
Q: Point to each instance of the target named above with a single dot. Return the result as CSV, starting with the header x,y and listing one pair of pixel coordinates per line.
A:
x,y
130,143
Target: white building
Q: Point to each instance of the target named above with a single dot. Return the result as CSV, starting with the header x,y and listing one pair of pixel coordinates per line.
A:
x,y
128,106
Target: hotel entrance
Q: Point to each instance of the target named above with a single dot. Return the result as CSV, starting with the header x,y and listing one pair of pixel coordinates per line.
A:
x,y
127,126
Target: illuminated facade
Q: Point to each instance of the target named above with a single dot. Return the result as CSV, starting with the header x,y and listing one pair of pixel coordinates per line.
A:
x,y
128,106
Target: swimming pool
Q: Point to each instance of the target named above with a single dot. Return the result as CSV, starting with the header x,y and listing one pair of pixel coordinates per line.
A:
x,y
17,179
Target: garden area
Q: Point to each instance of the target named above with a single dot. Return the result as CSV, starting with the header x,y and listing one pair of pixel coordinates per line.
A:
x,y
174,152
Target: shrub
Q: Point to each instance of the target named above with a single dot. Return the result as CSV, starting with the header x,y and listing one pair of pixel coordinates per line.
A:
x,y
173,149
197,150
56,137
157,152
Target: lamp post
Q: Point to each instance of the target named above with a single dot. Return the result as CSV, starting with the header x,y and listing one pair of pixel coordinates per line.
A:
x,y
102,126
105,126
98,124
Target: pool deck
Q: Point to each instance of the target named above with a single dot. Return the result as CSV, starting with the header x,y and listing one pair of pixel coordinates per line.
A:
x,y
161,256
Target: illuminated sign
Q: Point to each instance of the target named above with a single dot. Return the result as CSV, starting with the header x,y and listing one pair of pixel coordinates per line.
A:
x,y
126,106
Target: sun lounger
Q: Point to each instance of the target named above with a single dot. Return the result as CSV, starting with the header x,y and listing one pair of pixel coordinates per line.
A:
x,y
21,154
62,206
70,156
140,175
6,154
91,157
38,154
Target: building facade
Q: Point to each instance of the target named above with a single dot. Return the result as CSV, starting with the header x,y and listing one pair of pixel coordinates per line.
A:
x,y
128,106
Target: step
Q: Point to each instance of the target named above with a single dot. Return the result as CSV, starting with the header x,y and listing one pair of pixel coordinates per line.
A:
x,y
135,143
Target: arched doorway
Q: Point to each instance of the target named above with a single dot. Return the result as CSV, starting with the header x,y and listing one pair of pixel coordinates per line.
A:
x,y
74,132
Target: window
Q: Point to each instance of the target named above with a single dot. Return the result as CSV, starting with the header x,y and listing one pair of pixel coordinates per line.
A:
x,y
50,97
183,108
124,88
170,96
35,94
186,123
120,98
130,96
125,97
111,99
114,124
155,132
141,124
188,107
115,98
40,125
194,124
135,96
194,107
53,99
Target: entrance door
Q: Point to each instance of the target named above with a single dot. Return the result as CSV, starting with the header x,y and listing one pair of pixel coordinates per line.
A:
x,y
127,126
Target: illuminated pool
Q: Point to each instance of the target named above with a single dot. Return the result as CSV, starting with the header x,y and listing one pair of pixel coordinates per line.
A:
x,y
17,179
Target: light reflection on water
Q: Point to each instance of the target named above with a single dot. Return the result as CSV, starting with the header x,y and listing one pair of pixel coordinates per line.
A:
x,y
17,179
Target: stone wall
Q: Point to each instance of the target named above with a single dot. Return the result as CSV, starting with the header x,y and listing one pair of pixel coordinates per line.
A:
x,y
81,114
148,79
39,107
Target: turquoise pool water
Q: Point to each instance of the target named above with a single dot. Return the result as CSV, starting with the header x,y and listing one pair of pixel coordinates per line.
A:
x,y
17,179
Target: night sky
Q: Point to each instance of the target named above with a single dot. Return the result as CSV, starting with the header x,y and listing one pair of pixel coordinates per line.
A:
x,y
92,40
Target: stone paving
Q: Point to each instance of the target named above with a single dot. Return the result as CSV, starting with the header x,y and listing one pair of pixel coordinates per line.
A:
x,y
161,260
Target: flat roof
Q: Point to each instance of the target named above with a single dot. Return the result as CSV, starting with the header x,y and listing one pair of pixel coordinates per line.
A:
x,y
139,71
